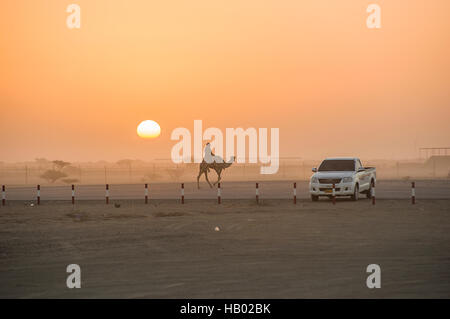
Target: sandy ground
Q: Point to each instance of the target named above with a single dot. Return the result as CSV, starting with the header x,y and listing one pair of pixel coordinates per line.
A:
x,y
272,250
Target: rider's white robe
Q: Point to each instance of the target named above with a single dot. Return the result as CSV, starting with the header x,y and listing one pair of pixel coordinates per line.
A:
x,y
209,157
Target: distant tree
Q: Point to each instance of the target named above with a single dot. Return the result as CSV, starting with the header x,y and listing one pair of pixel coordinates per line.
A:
x,y
60,164
70,180
138,163
52,175
71,170
125,162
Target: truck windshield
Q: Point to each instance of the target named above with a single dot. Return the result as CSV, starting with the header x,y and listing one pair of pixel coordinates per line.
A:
x,y
337,165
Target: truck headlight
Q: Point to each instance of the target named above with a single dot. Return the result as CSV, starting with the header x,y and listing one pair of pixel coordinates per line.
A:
x,y
314,180
347,179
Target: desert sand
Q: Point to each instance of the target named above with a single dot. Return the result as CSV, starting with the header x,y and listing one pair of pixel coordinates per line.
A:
x,y
273,249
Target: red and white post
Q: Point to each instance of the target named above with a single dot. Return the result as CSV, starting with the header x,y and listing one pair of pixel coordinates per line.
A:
x,y
373,193
73,194
182,193
146,193
413,193
107,194
334,194
295,193
257,193
219,194
3,195
39,194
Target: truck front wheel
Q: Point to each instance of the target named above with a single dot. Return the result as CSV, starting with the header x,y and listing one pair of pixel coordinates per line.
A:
x,y
355,195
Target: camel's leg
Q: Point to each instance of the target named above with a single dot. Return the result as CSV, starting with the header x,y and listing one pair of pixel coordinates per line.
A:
x,y
219,172
198,178
206,176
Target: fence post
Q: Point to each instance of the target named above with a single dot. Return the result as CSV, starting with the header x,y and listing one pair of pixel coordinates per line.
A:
x,y
146,193
3,195
413,193
73,194
295,193
257,193
107,194
39,194
182,193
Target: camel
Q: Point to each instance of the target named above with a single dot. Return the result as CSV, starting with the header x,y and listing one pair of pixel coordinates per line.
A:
x,y
218,167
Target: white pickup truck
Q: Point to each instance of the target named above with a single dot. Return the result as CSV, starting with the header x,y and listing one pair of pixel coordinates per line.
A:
x,y
347,174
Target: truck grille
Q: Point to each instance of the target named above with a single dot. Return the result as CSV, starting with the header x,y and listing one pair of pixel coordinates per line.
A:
x,y
329,180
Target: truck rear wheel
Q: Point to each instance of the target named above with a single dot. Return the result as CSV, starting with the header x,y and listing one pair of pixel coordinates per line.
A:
x,y
355,195
314,198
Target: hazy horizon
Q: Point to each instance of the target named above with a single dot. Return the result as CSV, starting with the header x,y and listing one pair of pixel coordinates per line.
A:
x,y
311,68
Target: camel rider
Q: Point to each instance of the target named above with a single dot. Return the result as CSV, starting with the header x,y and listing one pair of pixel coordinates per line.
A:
x,y
209,155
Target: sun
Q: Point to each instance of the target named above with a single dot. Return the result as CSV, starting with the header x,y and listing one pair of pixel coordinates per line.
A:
x,y
148,129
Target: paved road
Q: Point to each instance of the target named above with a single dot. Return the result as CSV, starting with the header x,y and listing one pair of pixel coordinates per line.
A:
x,y
438,189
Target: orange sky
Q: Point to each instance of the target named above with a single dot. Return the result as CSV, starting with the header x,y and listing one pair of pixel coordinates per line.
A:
x,y
311,68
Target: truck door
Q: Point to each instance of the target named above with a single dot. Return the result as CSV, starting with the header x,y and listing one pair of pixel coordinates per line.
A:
x,y
363,176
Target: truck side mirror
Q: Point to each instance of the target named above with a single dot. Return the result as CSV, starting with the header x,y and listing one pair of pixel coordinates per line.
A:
x,y
361,169
314,169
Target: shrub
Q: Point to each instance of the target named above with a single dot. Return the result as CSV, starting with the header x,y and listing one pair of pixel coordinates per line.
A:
x,y
52,175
